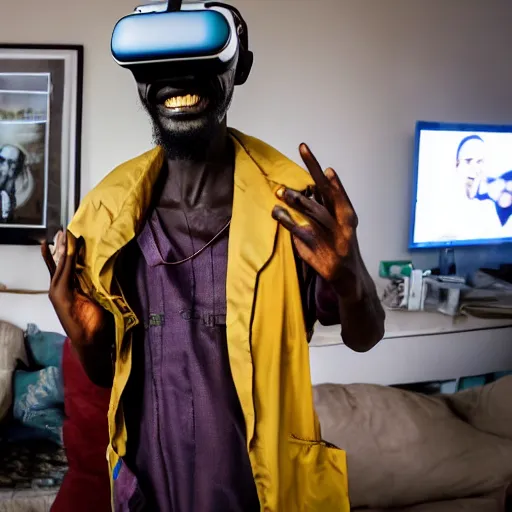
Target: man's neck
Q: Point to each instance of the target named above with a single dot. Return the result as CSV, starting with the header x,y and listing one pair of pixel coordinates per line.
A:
x,y
208,183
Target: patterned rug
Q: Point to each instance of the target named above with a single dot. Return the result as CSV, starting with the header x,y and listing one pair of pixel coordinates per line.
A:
x,y
31,465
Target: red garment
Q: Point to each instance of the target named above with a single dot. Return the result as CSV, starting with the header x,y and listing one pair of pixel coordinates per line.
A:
x,y
86,486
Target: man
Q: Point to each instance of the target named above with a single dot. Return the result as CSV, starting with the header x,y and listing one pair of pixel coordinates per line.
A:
x,y
478,185
211,406
475,199
470,164
12,164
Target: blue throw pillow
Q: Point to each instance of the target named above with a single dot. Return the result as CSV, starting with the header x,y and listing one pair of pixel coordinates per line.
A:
x,y
39,401
44,348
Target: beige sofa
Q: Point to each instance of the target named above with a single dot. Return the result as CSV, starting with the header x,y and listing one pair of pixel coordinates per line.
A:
x,y
419,453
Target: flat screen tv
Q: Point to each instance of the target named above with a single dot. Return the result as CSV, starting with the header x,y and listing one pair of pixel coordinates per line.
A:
x,y
462,186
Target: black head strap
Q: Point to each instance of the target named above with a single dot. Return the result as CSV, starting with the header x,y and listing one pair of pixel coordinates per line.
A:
x,y
242,29
245,57
174,5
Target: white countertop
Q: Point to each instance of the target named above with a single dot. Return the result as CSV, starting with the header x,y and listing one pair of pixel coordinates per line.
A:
x,y
405,324
418,347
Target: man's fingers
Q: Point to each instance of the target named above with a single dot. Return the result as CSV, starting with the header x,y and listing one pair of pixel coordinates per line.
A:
x,y
306,252
69,264
314,169
305,234
283,217
48,258
309,208
61,255
334,180
318,197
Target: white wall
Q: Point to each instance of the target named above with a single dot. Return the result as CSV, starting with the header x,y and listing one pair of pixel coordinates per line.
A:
x,y
350,77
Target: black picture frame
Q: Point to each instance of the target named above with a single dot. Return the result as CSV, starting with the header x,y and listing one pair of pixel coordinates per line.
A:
x,y
41,102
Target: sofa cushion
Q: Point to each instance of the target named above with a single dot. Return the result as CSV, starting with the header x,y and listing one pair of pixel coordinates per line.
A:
x,y
405,448
492,503
12,350
487,408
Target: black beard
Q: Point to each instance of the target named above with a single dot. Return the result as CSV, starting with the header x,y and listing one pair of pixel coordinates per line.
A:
x,y
189,144
185,145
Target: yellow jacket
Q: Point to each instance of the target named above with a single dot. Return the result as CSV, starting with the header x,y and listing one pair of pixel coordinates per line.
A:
x,y
293,468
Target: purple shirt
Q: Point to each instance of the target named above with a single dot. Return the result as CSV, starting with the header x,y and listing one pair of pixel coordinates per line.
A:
x,y
186,433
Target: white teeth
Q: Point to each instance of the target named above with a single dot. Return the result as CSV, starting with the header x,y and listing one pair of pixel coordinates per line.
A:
x,y
190,100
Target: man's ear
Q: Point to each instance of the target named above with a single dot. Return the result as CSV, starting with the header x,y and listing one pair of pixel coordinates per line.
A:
x,y
245,62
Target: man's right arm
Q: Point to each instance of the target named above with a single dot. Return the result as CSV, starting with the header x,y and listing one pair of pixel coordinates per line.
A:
x,y
97,357
90,328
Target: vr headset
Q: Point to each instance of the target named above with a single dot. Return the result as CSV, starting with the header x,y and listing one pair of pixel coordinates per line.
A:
x,y
166,40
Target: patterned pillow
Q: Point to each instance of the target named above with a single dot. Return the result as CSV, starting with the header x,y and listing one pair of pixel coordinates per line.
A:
x,y
12,350
39,402
44,348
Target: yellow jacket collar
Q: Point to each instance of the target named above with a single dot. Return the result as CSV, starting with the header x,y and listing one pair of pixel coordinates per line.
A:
x,y
126,195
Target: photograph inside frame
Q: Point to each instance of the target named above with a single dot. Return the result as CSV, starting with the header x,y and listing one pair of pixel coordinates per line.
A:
x,y
24,123
40,121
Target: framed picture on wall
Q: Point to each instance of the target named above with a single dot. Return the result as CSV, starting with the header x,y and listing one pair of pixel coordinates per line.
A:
x,y
40,133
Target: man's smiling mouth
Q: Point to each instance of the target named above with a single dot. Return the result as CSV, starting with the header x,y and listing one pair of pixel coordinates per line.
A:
x,y
182,98
182,101
186,103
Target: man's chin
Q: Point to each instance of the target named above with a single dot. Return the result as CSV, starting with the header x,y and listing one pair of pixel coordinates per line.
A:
x,y
184,140
172,127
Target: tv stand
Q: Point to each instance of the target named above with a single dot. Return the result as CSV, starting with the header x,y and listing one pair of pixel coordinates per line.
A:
x,y
447,265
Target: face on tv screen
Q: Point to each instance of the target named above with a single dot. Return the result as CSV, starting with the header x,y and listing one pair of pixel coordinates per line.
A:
x,y
464,188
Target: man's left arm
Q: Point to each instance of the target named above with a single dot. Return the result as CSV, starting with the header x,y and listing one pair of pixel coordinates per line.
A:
x,y
328,245
361,315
